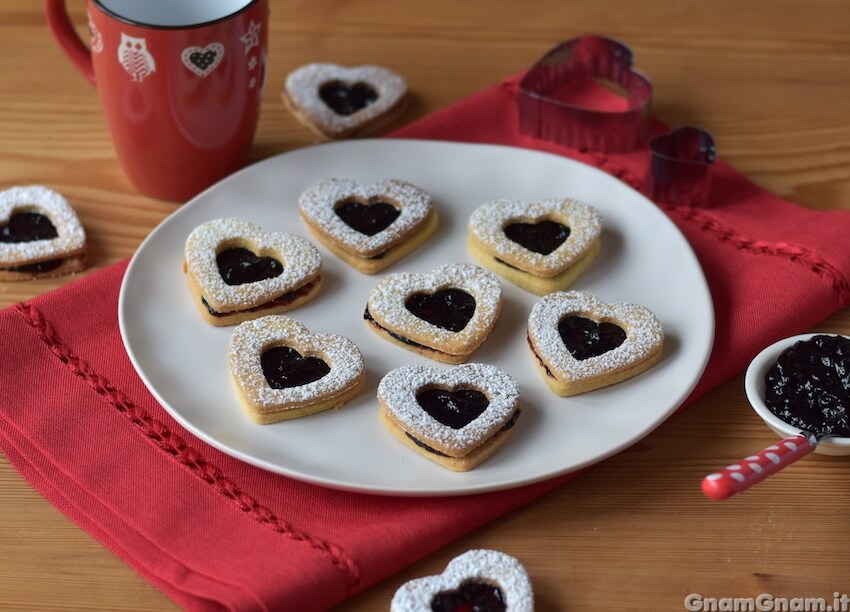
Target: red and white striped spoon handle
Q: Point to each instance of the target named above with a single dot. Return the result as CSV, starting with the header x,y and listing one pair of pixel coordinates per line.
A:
x,y
755,468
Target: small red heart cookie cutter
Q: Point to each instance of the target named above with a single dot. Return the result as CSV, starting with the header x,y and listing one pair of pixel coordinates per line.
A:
x,y
560,101
679,171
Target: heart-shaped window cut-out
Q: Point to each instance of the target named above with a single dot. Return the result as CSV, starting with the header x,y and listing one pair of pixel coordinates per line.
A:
x,y
346,99
450,309
26,226
368,217
238,265
453,407
541,236
284,367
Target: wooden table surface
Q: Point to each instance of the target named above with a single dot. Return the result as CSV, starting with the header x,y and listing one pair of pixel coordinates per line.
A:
x,y
770,79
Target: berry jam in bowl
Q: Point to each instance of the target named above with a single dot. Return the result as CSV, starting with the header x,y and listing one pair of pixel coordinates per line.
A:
x,y
802,383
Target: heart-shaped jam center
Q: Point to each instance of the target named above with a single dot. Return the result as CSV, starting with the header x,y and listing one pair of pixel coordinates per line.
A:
x,y
470,597
543,237
450,309
238,266
27,227
284,367
368,218
585,338
453,409
347,99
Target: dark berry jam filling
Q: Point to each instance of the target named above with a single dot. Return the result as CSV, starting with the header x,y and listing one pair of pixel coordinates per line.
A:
x,y
585,338
509,425
286,298
284,367
809,385
35,268
543,237
367,218
27,227
454,409
449,309
471,596
346,99
238,266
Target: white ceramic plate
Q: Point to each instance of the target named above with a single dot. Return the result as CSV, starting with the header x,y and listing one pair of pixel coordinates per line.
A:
x,y
644,259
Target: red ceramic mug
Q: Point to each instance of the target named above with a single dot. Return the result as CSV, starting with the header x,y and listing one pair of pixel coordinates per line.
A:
x,y
180,83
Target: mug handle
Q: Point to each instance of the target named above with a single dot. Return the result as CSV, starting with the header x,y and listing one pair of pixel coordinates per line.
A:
x,y
66,36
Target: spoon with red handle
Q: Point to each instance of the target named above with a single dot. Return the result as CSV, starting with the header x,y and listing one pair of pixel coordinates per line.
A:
x,y
755,468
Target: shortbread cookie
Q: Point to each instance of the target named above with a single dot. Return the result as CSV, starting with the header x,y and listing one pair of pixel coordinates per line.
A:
x,y
476,580
456,417
540,246
338,102
238,272
444,315
371,226
40,235
580,343
282,371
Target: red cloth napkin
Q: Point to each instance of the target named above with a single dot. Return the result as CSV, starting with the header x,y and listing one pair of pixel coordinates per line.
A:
x,y
213,532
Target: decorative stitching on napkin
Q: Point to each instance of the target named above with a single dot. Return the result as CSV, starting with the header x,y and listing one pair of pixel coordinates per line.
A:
x,y
175,446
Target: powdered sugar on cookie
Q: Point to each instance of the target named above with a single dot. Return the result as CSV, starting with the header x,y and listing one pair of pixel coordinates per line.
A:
x,y
70,238
487,225
487,567
398,389
318,206
301,262
644,334
302,92
252,338
387,305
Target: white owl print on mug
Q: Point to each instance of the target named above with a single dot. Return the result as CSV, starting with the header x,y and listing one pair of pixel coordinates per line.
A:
x,y
134,56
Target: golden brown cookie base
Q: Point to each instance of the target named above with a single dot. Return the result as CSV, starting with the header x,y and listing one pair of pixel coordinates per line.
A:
x,y
261,310
418,348
371,266
266,416
69,265
567,388
457,464
535,284
366,127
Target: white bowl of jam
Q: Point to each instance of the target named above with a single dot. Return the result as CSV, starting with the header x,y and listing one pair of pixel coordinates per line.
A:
x,y
802,383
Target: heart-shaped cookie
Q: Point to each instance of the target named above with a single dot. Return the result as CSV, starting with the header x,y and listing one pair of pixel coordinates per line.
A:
x,y
40,234
540,246
444,315
339,102
476,580
369,226
580,343
282,371
203,60
455,417
238,272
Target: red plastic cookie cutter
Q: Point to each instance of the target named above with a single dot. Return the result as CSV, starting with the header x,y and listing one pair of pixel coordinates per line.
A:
x,y
679,170
585,94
